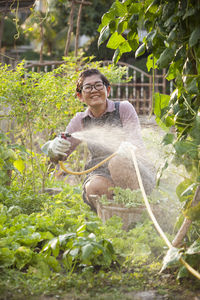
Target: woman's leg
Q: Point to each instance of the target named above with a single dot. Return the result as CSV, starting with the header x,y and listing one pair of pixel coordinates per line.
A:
x,y
97,185
124,175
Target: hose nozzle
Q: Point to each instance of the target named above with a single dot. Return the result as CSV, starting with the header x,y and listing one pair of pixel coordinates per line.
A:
x,y
65,135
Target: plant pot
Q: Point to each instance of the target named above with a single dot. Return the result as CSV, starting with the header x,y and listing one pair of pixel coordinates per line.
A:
x,y
129,216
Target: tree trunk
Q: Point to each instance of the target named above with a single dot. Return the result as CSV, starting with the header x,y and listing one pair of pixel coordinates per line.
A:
x,y
70,30
78,27
42,42
1,33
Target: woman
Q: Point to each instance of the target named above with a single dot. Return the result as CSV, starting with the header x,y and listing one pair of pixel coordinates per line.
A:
x,y
110,123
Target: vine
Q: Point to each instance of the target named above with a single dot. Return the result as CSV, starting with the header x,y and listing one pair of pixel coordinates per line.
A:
x,y
173,41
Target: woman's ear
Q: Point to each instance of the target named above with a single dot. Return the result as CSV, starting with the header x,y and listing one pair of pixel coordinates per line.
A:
x,y
108,90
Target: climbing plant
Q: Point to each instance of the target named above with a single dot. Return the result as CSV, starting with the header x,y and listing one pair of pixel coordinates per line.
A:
x,y
172,41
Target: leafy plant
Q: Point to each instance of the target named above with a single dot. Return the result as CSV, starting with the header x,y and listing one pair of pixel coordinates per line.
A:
x,y
52,238
172,41
126,197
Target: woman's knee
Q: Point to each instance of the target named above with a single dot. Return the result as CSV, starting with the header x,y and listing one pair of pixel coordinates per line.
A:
x,y
99,185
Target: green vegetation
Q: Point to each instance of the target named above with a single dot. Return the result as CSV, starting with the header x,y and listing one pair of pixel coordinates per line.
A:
x,y
128,198
54,244
172,41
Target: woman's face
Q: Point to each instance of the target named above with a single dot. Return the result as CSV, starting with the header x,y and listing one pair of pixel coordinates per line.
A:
x,y
92,96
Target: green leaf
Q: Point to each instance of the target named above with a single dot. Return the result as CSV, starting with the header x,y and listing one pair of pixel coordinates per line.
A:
x,y
122,26
140,51
172,257
180,189
195,131
193,213
121,8
165,58
105,32
19,165
115,40
107,17
53,263
194,37
74,252
186,147
168,139
65,237
6,257
23,256
133,44
116,56
191,86
86,251
125,47
190,12
151,62
183,272
194,248
161,101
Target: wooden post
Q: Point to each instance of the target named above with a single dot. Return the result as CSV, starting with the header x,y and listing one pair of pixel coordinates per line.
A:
x,y
42,42
2,18
71,23
78,27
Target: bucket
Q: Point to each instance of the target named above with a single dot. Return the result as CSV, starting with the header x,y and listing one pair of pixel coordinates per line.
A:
x,y
129,215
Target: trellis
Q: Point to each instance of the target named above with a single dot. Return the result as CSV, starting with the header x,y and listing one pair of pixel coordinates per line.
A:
x,y
139,89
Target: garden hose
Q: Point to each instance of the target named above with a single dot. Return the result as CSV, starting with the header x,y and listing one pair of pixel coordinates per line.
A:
x,y
88,170
159,229
189,268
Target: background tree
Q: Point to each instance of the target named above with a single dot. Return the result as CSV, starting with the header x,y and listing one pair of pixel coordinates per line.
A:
x,y
56,24
173,42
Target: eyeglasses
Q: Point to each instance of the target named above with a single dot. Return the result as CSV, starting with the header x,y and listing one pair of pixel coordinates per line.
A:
x,y
88,87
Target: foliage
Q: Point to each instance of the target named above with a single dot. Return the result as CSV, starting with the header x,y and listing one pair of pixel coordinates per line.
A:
x,y
41,105
64,241
52,237
172,41
55,23
10,33
126,197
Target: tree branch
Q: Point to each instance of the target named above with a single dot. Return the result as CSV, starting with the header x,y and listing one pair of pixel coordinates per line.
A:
x,y
186,223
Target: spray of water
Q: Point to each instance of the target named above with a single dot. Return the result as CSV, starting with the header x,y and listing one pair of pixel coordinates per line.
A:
x,y
107,137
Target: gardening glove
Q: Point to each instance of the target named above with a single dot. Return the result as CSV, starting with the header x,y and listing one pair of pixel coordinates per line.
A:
x,y
56,147
125,149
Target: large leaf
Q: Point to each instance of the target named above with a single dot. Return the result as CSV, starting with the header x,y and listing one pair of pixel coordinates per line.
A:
x,y
194,248
182,187
53,263
23,256
115,40
86,251
186,147
194,37
19,165
140,51
193,213
105,32
172,258
161,101
6,257
121,8
165,58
